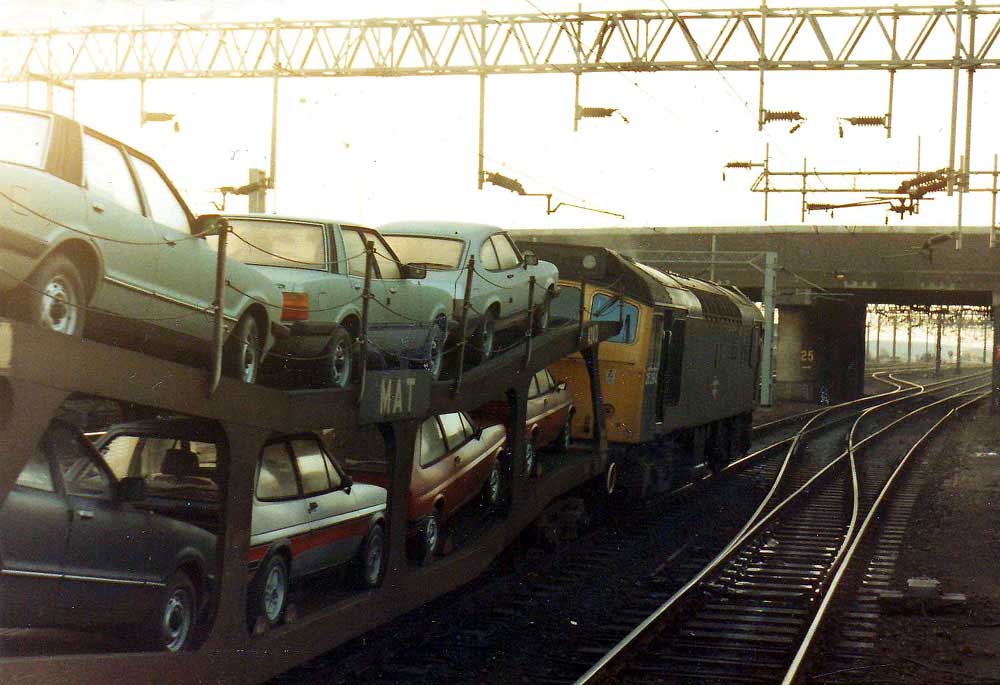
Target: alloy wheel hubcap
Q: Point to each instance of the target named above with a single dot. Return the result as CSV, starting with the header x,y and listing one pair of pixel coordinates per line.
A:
x,y
432,534
250,355
494,485
529,457
374,563
177,620
59,306
341,365
274,593
488,339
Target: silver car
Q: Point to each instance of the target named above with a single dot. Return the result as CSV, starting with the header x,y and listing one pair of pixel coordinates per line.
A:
x,y
319,266
94,236
501,277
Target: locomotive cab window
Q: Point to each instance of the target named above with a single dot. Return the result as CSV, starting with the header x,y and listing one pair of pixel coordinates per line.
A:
x,y
566,305
611,308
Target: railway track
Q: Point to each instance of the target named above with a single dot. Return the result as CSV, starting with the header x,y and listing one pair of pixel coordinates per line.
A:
x,y
752,613
551,617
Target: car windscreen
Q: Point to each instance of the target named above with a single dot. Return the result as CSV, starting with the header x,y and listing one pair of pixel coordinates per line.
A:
x,y
25,138
276,243
429,251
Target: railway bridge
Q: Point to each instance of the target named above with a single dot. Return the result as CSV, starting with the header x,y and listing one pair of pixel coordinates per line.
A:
x,y
824,277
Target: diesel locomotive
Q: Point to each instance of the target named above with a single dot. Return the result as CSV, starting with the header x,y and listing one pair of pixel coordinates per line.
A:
x,y
679,380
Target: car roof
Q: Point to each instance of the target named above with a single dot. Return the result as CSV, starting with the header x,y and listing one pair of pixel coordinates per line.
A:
x,y
179,428
309,219
457,229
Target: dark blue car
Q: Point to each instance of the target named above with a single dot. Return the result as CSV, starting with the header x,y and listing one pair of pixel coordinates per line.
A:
x,y
80,548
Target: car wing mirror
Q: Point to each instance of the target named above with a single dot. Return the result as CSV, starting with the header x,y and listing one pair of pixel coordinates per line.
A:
x,y
413,271
210,225
561,386
530,259
479,433
348,483
132,489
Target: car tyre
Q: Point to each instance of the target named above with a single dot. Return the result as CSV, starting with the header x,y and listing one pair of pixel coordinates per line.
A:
x,y
529,458
428,538
243,351
337,368
269,592
436,352
542,314
369,564
54,297
493,489
176,617
565,436
484,339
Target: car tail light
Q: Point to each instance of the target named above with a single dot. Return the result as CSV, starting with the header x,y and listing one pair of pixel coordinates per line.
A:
x,y
294,306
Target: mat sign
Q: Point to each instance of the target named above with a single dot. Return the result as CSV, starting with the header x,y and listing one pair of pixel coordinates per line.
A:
x,y
395,395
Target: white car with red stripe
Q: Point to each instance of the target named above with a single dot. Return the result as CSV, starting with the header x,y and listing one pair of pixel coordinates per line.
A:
x,y
309,516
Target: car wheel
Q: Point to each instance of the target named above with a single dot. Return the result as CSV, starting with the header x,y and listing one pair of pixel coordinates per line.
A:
x,y
542,313
436,352
428,538
337,369
370,562
270,591
565,436
241,356
493,487
54,297
177,615
529,457
481,345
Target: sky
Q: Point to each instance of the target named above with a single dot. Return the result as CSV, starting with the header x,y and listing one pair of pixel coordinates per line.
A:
x,y
380,149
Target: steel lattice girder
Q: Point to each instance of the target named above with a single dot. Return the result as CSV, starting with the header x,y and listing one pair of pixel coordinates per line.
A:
x,y
831,38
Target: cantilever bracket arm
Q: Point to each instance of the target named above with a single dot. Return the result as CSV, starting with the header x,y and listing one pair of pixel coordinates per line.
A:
x,y
549,209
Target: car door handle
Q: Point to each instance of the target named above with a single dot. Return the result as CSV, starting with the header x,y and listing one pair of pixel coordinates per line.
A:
x,y
313,507
510,275
392,290
97,207
84,514
458,460
357,286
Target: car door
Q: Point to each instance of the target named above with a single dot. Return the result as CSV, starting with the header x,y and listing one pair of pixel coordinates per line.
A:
x,y
535,402
34,530
463,452
434,470
410,305
354,254
279,511
114,549
115,211
550,417
334,529
512,274
186,266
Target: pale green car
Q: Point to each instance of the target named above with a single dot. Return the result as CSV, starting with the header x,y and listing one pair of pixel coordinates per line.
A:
x,y
94,238
501,296
319,266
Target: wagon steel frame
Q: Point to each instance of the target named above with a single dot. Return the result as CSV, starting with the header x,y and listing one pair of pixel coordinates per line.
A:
x,y
40,369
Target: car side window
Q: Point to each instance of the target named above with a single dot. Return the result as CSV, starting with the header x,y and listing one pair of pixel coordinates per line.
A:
x,y
506,253
470,430
488,256
552,381
80,472
387,266
544,385
533,387
37,474
108,175
164,206
335,480
276,479
354,247
454,432
118,454
312,467
431,442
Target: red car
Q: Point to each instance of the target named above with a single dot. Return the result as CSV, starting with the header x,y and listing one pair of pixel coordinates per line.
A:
x,y
454,461
550,412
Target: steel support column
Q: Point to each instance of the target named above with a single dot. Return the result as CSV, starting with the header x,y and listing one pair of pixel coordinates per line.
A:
x,y
767,356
